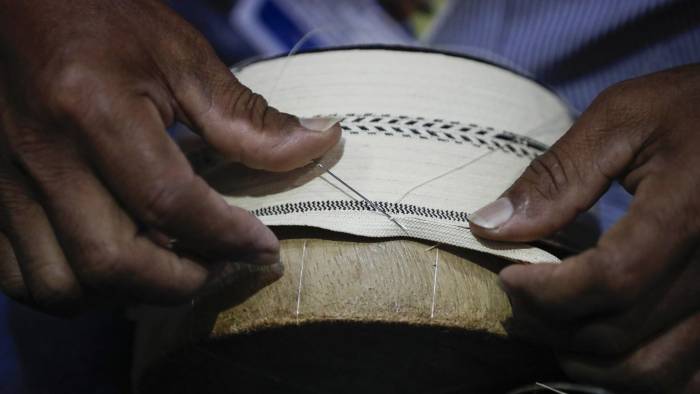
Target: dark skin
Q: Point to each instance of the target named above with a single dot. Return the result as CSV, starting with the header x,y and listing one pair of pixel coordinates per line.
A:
x,y
90,182
625,313
90,185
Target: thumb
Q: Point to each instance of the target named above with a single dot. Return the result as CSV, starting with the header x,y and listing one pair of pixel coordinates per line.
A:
x,y
242,126
558,185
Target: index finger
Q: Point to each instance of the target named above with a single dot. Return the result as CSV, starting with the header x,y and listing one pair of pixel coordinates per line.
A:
x,y
152,178
633,256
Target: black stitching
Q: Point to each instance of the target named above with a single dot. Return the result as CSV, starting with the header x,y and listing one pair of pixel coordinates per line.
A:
x,y
437,129
352,205
505,136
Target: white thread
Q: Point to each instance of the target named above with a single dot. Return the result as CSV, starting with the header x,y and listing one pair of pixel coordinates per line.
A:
x,y
288,58
465,165
432,247
377,208
301,277
340,189
448,172
435,275
544,386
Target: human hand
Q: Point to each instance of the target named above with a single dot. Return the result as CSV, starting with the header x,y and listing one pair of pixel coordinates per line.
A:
x,y
91,183
623,314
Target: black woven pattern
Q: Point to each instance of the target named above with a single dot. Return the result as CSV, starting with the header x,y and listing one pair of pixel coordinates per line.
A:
x,y
350,205
443,131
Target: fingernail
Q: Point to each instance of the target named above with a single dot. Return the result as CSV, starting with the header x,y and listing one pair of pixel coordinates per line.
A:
x,y
321,123
240,280
493,215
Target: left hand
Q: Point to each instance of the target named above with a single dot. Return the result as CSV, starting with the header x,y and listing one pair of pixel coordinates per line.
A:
x,y
92,188
626,313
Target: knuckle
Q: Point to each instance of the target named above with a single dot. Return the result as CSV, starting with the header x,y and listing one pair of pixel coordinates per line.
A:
x,y
199,47
13,286
56,291
165,197
101,263
256,108
623,104
258,125
76,91
191,46
27,145
67,86
195,55
547,176
618,96
606,340
249,108
18,205
616,280
13,201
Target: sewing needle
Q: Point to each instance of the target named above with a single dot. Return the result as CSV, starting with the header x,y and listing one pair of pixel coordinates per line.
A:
x,y
367,200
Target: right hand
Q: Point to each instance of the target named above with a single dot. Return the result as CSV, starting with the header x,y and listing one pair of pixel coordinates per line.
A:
x,y
625,313
88,171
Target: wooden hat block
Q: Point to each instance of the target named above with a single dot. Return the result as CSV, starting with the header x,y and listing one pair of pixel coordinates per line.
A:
x,y
363,316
